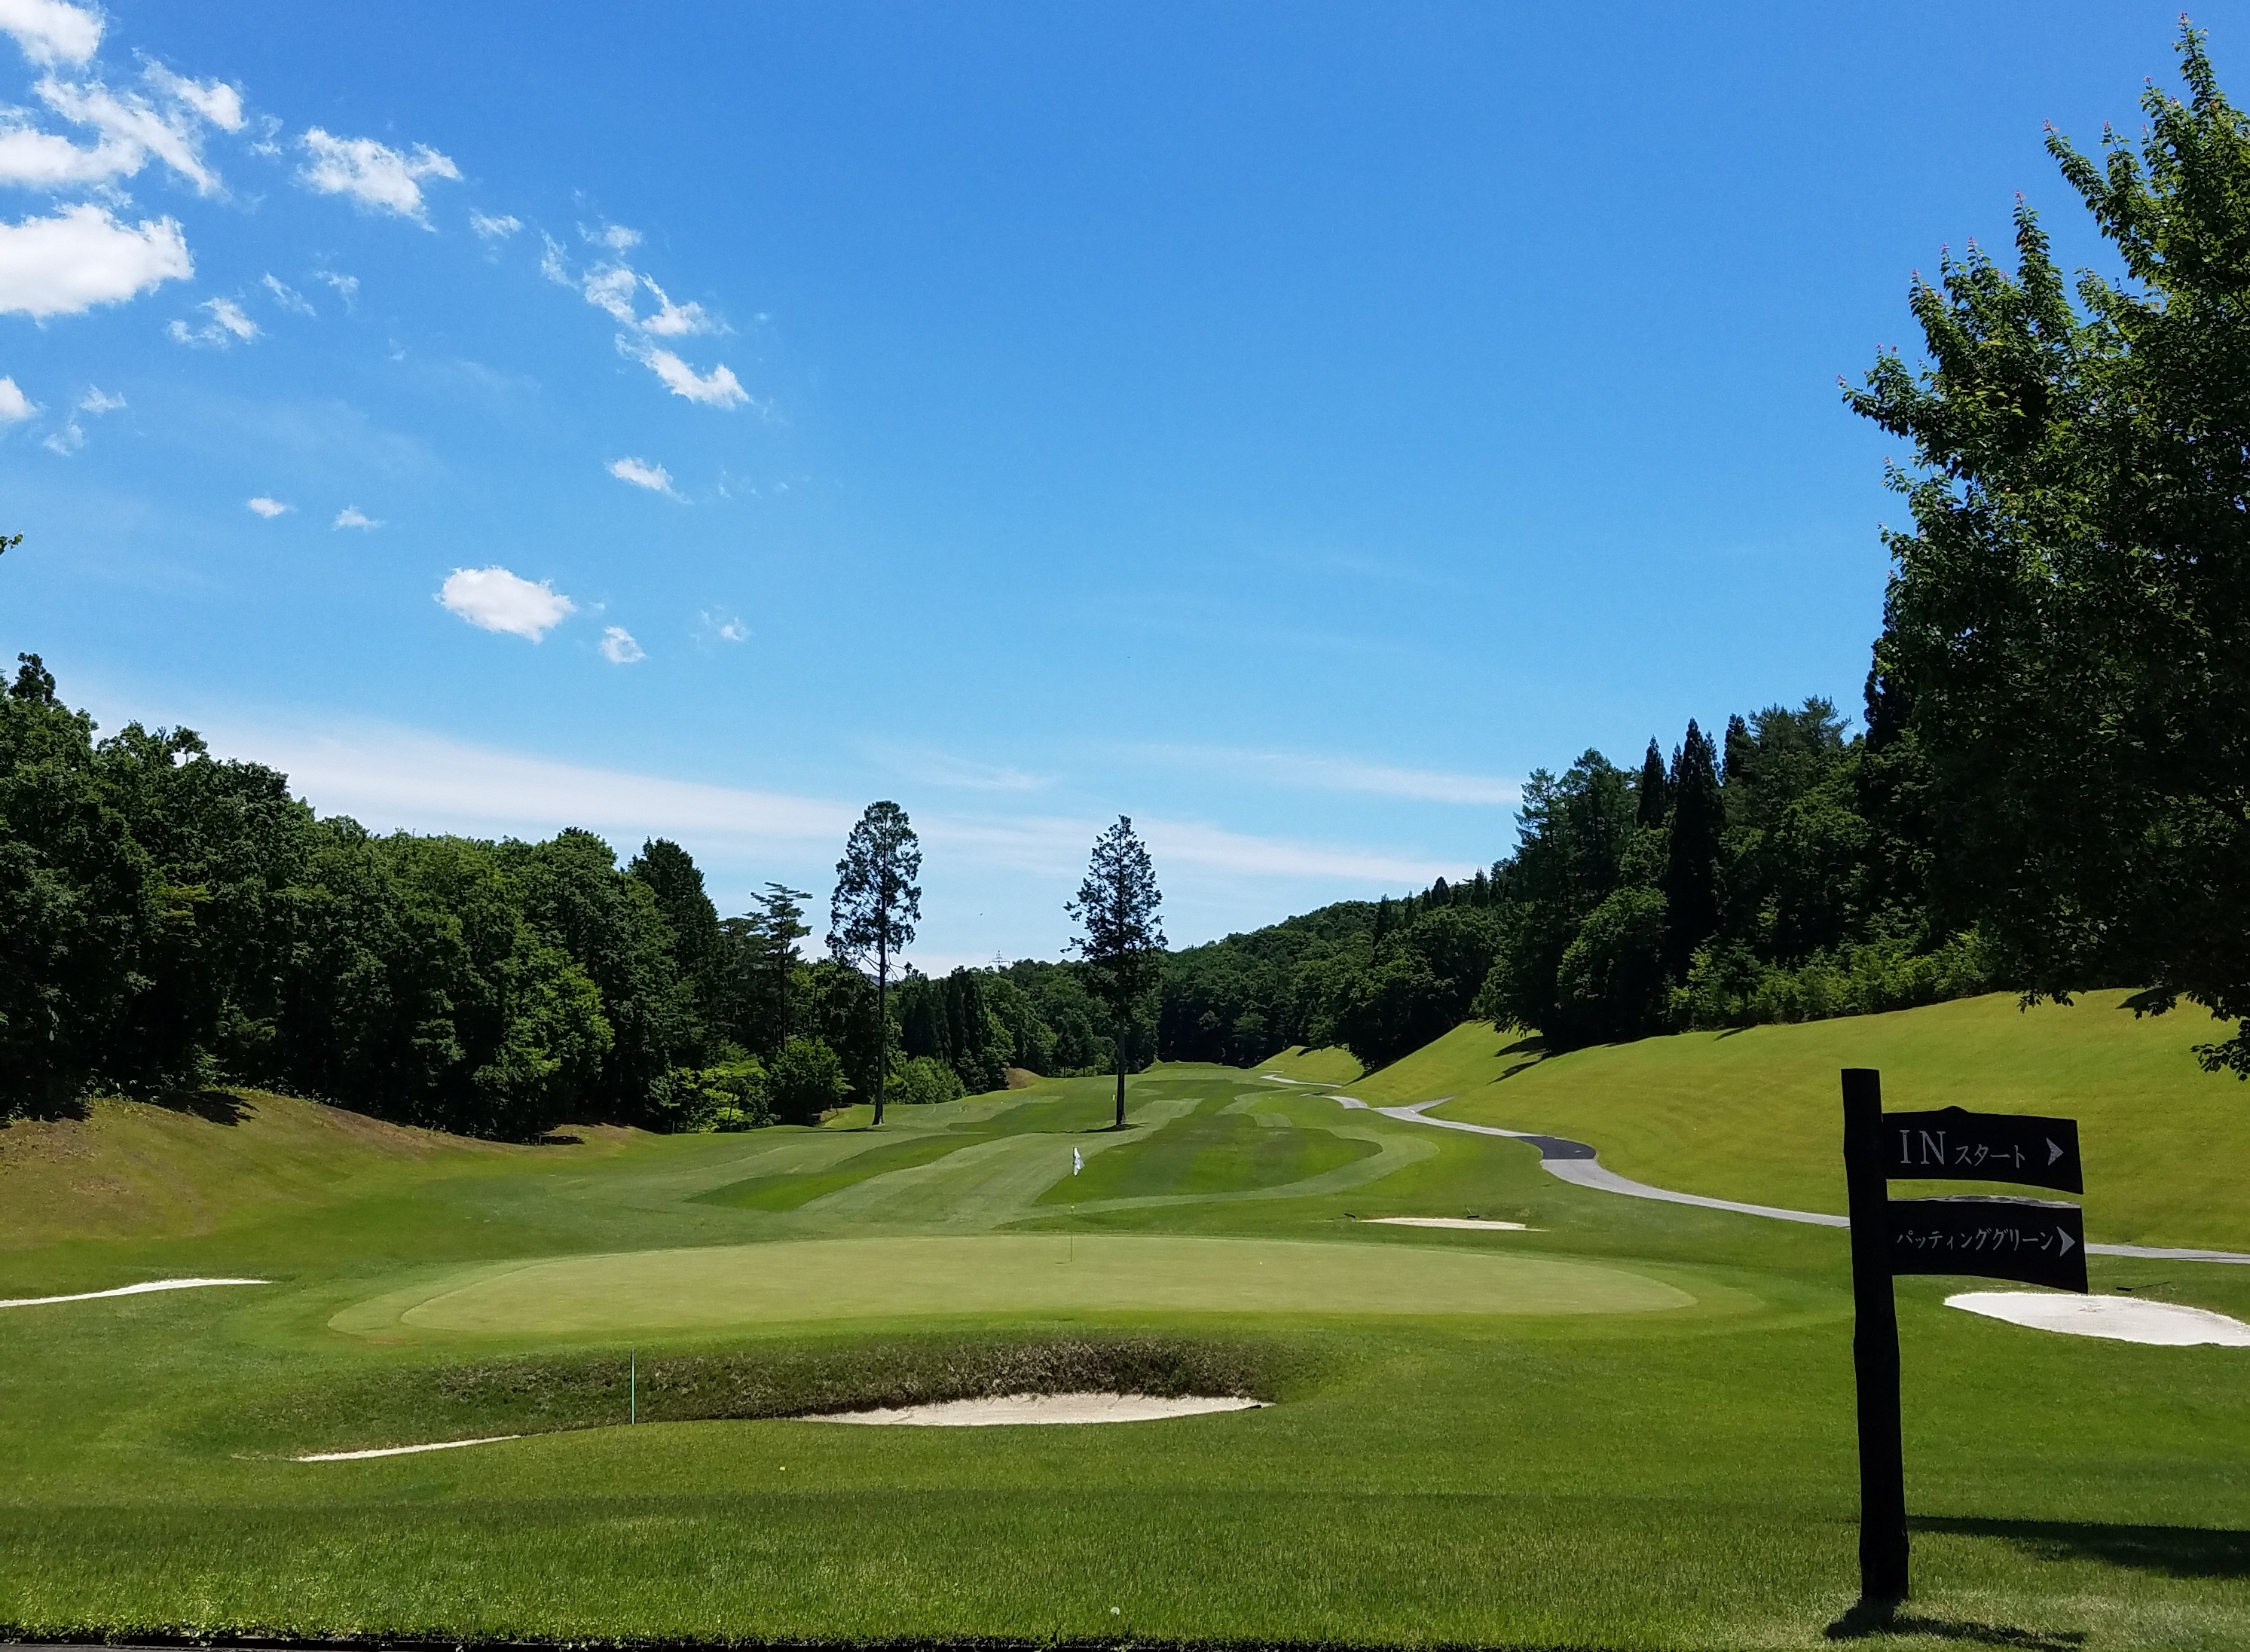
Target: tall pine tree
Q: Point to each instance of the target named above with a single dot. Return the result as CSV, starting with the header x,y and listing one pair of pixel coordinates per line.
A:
x,y
1655,792
1691,873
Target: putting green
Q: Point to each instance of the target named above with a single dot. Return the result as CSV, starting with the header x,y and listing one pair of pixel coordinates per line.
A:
x,y
879,1279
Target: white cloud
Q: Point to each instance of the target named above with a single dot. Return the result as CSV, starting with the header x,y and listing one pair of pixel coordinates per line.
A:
x,y
393,777
374,174
619,649
214,100
97,402
611,287
718,387
15,406
352,516
270,508
941,768
674,320
615,236
84,256
725,628
287,296
228,325
641,473
131,128
47,160
552,263
67,441
50,31
498,600
347,286
494,229
1345,774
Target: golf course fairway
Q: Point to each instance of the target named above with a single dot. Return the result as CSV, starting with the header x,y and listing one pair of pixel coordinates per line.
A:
x,y
752,1285
1616,1426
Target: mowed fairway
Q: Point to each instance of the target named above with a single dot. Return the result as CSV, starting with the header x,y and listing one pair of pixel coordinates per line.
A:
x,y
761,1285
1628,1425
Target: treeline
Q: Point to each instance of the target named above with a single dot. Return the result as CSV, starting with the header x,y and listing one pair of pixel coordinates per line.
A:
x,y
1777,875
170,921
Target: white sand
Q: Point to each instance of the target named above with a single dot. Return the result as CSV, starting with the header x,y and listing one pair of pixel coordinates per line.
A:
x,y
401,1451
1475,1223
130,1291
2118,1319
1040,1408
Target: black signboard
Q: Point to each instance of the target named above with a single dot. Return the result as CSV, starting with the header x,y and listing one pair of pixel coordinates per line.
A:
x,y
2038,1241
1954,1145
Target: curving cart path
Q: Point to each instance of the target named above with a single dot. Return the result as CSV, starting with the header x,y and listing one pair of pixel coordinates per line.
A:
x,y
1574,1161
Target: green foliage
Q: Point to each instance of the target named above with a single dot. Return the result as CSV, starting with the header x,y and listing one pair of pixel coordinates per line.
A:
x,y
733,1095
873,913
924,1081
806,1079
2065,637
955,1022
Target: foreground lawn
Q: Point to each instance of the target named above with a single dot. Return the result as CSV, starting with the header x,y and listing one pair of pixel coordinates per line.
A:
x,y
1628,1426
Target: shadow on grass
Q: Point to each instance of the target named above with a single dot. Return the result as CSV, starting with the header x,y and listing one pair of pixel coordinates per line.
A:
x,y
212,1107
1888,1617
2173,1551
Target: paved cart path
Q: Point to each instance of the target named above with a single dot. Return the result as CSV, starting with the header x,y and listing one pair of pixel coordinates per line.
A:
x,y
1574,1161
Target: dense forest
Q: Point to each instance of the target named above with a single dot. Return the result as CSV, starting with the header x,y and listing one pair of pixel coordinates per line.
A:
x,y
169,920
1777,875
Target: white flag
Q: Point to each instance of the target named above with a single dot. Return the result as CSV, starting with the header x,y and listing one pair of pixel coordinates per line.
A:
x,y
1077,1163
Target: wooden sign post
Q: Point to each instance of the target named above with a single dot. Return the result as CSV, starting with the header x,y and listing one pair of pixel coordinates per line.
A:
x,y
2036,1241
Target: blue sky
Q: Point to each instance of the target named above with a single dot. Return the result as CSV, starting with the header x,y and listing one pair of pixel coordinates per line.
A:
x,y
1288,425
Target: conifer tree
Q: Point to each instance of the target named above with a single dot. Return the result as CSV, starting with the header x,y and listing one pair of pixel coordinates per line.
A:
x,y
1691,875
1655,793
1119,936
874,909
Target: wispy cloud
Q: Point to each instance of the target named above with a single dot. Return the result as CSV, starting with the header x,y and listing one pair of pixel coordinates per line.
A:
x,y
287,296
269,508
129,126
352,516
489,228
719,388
721,628
228,326
615,236
619,649
15,406
67,441
97,402
495,600
1310,772
377,176
943,768
641,473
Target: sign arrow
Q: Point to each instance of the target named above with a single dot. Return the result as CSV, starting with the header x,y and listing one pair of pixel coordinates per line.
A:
x,y
2067,1244
2053,1153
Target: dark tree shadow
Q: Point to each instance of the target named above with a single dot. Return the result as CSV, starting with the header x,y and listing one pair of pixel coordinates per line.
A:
x,y
558,1138
1890,1617
213,1106
2173,1551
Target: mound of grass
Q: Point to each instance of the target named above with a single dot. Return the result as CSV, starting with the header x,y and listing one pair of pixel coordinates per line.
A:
x,y
777,1285
1215,1149
1330,1065
545,1394
1755,1115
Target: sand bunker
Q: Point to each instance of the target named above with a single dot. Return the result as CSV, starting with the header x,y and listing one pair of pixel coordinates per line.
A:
x,y
1040,1408
1476,1223
2117,1318
403,1451
129,1291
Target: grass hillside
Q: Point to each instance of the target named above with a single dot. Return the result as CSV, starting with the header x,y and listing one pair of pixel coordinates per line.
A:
x,y
1332,1064
1755,1114
129,1167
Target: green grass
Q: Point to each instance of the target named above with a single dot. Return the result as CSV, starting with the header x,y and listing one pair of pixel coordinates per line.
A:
x,y
1219,1148
1331,1064
1439,1466
1755,1115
